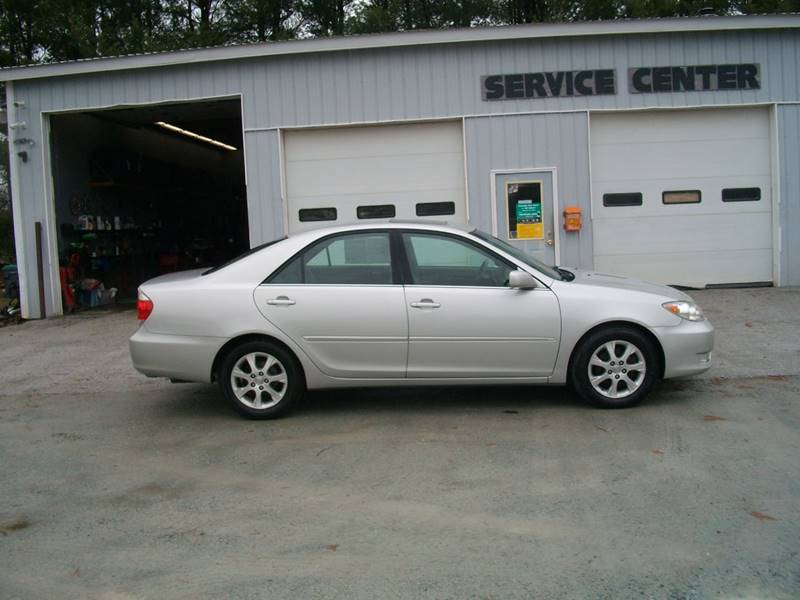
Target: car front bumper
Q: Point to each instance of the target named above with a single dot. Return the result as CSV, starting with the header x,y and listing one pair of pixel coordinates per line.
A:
x,y
687,347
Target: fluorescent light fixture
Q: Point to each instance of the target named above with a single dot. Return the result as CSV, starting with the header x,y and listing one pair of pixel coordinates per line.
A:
x,y
195,136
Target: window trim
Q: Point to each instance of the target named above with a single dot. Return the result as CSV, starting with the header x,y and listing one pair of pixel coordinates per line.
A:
x,y
665,192
396,275
408,279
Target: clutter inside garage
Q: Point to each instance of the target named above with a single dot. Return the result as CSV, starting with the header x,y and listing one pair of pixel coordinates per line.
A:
x,y
145,191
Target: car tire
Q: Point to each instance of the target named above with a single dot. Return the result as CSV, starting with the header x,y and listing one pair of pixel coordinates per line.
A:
x,y
615,367
261,380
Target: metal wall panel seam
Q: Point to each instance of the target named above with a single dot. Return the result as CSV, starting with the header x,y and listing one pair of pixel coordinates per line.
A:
x,y
282,175
244,145
16,208
775,168
52,275
466,167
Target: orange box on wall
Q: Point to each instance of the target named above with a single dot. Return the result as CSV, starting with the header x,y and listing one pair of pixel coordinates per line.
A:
x,y
572,218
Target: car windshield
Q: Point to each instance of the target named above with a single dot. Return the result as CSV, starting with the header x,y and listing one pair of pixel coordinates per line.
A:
x,y
243,255
518,254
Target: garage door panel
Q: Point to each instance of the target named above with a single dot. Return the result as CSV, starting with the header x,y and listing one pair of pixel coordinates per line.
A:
x,y
690,244
359,142
686,125
675,268
687,160
402,165
391,174
643,235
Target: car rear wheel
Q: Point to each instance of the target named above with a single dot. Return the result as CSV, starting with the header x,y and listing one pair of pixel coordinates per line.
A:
x,y
261,380
615,367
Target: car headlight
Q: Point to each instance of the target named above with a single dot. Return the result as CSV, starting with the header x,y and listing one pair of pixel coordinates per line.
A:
x,y
685,310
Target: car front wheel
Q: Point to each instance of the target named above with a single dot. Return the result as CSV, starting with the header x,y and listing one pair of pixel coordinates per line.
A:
x,y
615,367
261,380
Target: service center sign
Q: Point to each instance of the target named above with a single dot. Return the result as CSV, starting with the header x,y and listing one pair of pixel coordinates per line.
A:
x,y
641,80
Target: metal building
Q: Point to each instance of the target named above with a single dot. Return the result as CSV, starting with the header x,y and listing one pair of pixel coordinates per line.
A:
x,y
662,149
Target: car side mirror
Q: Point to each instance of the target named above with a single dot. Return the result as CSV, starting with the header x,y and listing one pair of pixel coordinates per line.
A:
x,y
521,280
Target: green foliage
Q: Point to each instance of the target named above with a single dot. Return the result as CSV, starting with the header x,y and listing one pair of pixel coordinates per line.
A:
x,y
52,30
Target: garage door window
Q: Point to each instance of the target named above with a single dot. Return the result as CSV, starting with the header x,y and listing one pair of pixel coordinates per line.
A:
x,y
376,211
741,194
624,199
355,259
438,260
317,214
431,209
681,197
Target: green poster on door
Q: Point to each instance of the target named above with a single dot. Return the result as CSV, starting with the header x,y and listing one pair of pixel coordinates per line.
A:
x,y
524,199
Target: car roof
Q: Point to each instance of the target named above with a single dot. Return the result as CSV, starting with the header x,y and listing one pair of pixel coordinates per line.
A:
x,y
424,224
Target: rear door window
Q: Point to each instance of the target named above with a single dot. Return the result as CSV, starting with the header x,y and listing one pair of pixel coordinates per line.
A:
x,y
348,259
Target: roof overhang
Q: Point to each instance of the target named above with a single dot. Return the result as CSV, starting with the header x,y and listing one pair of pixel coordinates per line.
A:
x,y
403,39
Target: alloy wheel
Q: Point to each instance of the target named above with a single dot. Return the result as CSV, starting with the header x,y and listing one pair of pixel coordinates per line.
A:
x,y
617,369
259,380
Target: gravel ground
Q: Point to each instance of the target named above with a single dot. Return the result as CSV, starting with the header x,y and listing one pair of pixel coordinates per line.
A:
x,y
114,486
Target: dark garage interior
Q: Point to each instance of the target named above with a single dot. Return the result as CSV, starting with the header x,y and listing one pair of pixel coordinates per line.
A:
x,y
144,191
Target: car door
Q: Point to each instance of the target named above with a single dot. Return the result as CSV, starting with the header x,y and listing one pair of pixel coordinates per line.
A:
x,y
342,302
464,320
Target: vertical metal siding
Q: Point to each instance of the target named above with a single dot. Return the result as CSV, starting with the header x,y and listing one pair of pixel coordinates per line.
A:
x,y
264,201
533,141
429,82
789,158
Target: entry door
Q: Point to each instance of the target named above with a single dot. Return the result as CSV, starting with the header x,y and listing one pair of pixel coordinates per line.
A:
x,y
464,320
338,301
525,212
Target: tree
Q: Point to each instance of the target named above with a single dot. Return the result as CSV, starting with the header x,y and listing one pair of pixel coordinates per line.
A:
x,y
261,20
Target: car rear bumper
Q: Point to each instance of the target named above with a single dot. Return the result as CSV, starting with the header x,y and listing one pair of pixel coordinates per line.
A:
x,y
687,348
183,357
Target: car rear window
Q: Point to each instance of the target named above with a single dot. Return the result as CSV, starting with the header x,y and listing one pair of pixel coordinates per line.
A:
x,y
243,255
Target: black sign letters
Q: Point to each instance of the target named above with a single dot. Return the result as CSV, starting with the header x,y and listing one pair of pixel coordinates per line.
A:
x,y
641,80
699,78
548,85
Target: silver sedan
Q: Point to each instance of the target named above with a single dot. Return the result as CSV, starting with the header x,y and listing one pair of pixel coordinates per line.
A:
x,y
399,304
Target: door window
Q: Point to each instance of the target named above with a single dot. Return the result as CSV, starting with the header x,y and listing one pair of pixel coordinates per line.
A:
x,y
441,260
351,259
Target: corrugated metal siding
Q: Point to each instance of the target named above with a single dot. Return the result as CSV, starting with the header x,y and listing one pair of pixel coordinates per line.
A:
x,y
424,82
533,141
789,156
264,200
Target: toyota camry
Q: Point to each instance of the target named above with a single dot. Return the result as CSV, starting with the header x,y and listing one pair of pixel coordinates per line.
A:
x,y
403,304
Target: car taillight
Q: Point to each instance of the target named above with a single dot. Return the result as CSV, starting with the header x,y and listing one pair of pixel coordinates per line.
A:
x,y
144,306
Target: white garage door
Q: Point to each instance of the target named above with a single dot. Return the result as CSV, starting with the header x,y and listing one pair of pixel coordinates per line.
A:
x,y
369,174
683,197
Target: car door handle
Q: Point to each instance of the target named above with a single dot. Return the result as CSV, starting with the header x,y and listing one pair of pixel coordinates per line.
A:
x,y
281,301
425,303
